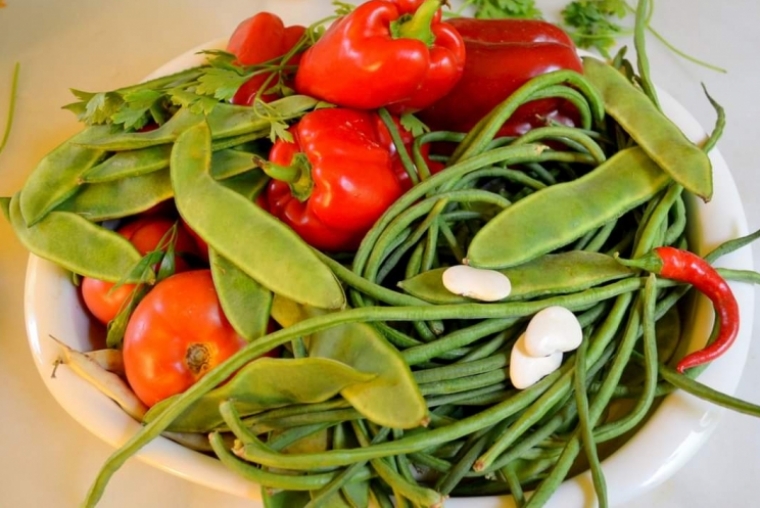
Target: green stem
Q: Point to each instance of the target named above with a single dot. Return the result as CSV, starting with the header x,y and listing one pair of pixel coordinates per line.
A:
x,y
11,107
297,174
419,25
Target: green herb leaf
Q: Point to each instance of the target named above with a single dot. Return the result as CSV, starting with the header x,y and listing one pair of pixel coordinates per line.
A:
x,y
342,8
101,107
493,9
220,83
413,124
197,104
592,23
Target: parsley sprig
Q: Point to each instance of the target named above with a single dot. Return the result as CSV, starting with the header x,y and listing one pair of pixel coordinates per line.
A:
x,y
198,89
593,23
491,9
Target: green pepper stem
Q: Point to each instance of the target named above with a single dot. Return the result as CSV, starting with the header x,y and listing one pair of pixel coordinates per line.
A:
x,y
650,262
297,174
419,25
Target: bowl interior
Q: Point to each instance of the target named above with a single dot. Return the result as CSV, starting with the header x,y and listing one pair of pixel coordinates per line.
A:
x,y
670,437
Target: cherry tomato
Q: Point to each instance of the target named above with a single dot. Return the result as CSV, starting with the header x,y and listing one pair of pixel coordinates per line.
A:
x,y
256,40
145,233
102,299
176,334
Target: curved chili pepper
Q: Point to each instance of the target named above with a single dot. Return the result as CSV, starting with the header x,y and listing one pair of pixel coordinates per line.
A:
x,y
502,55
336,178
394,53
258,39
685,266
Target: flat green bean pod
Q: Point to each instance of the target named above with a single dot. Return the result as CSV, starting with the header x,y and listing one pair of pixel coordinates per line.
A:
x,y
663,141
130,163
231,162
226,162
120,198
245,234
555,216
76,244
225,120
57,176
560,273
278,382
393,398
245,302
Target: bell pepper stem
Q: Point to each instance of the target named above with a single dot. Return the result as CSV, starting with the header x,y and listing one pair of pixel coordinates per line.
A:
x,y
297,174
419,25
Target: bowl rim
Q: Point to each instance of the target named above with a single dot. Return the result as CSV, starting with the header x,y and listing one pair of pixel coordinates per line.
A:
x,y
671,436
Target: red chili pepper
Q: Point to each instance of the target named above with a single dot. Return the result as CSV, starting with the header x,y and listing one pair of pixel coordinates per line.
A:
x,y
335,179
502,55
394,53
259,39
685,266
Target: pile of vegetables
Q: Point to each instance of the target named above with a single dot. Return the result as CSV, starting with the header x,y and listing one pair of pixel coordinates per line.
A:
x,y
269,241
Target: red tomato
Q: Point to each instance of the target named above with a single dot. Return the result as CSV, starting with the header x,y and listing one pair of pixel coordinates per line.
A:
x,y
256,40
102,300
177,333
145,233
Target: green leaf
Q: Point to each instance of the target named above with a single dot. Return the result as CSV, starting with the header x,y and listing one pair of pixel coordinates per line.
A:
x,y
413,124
101,107
221,84
592,23
494,9
343,8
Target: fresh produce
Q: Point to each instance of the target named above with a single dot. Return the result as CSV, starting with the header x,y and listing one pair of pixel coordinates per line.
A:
x,y
686,266
502,55
257,40
176,334
105,299
329,228
385,53
335,179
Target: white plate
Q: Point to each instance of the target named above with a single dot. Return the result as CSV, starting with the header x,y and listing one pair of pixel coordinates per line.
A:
x,y
669,439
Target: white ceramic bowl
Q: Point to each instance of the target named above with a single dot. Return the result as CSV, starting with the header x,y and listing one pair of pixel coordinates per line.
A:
x,y
672,435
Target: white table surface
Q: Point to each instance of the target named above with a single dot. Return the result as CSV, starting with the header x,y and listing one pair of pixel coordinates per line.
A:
x,y
48,460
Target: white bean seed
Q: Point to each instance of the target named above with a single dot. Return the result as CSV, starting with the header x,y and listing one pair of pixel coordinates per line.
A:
x,y
477,283
526,370
551,330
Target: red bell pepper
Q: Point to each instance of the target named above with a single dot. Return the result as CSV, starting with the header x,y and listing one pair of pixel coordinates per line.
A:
x,y
502,55
259,39
335,179
394,53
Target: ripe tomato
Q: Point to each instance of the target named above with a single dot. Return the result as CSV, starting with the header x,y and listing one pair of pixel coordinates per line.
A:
x,y
145,233
177,333
258,39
